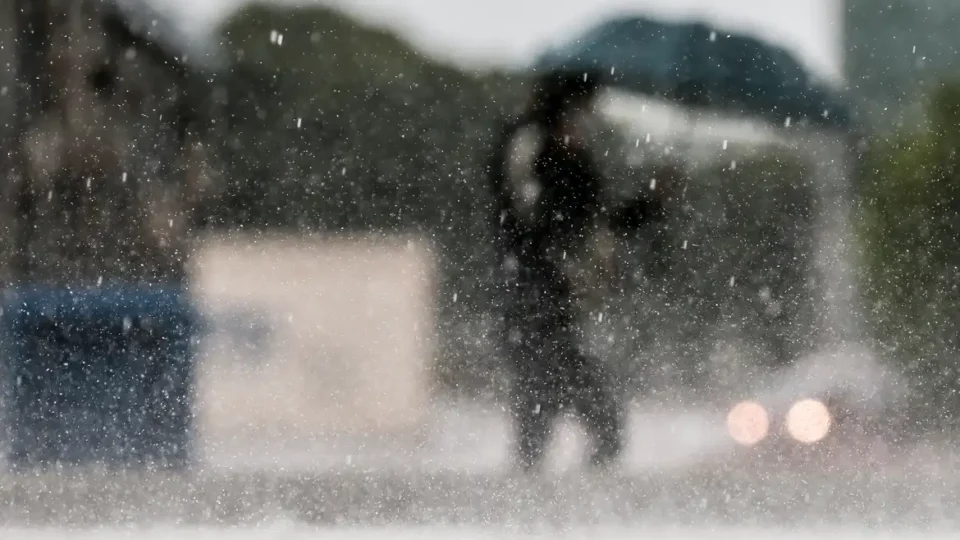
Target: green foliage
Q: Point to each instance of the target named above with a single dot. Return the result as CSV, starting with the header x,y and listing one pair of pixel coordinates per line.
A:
x,y
910,231
343,127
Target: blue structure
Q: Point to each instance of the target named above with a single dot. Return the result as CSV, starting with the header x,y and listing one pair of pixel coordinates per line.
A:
x,y
99,375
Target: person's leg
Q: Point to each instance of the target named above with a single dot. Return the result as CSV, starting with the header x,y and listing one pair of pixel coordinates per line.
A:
x,y
535,399
596,401
535,409
591,390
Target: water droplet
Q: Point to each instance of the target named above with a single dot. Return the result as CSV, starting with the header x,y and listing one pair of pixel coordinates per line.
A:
x,y
299,122
536,409
787,122
733,280
600,317
713,36
685,242
613,70
765,294
724,144
653,184
455,296
914,49
123,178
733,165
648,137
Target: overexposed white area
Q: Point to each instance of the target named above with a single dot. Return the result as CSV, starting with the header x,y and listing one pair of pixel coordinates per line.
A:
x,y
511,33
298,532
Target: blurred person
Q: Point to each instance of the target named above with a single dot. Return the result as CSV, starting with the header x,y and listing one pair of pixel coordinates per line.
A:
x,y
554,244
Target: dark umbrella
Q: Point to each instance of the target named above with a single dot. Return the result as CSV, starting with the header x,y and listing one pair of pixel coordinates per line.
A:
x,y
697,65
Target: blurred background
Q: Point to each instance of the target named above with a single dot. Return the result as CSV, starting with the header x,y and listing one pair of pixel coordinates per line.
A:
x,y
342,251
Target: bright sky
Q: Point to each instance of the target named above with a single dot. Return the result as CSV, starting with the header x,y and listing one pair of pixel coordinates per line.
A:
x,y
512,32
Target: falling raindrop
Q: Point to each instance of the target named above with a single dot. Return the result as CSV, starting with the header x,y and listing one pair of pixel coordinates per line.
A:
x,y
123,178
787,122
713,36
733,165
724,144
299,122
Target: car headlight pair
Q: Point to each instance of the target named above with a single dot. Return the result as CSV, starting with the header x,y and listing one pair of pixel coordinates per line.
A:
x,y
807,421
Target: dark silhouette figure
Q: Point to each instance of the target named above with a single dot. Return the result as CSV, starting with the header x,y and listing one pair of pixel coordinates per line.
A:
x,y
549,205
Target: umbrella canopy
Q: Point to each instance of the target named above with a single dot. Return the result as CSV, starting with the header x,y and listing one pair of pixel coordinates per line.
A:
x,y
697,65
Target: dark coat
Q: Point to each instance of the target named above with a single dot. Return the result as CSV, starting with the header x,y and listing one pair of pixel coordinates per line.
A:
x,y
558,223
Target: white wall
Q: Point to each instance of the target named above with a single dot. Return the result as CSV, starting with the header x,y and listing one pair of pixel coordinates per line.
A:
x,y
349,347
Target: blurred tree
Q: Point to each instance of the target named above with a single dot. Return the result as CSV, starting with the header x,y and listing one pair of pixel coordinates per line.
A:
x,y
895,52
911,232
110,161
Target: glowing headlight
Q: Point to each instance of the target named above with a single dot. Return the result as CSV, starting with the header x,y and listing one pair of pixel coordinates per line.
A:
x,y
748,423
808,421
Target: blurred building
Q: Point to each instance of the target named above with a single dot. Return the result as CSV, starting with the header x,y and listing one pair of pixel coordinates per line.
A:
x,y
108,158
897,49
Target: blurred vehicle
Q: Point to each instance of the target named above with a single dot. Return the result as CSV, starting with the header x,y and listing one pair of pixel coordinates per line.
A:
x,y
823,415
